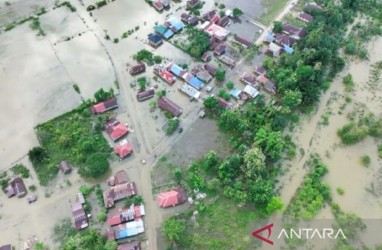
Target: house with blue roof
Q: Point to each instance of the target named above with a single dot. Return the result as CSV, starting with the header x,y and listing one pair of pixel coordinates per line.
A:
x,y
176,70
155,40
235,93
174,24
195,82
288,49
163,31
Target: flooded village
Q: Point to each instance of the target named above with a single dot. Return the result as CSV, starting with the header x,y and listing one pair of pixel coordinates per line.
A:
x,y
105,106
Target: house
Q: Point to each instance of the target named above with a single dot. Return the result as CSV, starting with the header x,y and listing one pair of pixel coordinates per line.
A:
x,y
288,49
194,82
163,31
135,245
119,192
65,167
6,247
260,70
80,219
313,6
284,40
223,21
201,73
190,91
120,177
270,87
269,37
158,5
192,4
227,61
209,15
248,79
262,79
80,198
184,17
210,68
129,229
194,20
293,31
243,41
166,4
174,24
145,95
235,93
176,69
251,91
115,129
137,69
134,212
164,75
215,31
165,104
104,106
274,49
215,19
305,17
123,149
172,198
220,49
110,234
213,43
155,40
16,188
206,56
225,104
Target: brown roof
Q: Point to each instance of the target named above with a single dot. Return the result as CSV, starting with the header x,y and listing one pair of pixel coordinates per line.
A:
x,y
194,20
135,245
305,17
270,87
248,79
166,104
206,56
260,70
284,39
136,69
119,192
292,30
145,95
184,17
119,178
193,3
6,247
79,216
220,49
209,15
224,103
65,167
223,21
243,41
17,187
210,68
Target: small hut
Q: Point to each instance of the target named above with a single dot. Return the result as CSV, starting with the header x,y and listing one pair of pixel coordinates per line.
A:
x,y
65,167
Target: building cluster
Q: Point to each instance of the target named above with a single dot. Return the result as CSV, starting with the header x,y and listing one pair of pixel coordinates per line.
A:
x,y
116,130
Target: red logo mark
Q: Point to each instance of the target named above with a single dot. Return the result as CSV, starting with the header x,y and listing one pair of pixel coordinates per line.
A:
x,y
269,229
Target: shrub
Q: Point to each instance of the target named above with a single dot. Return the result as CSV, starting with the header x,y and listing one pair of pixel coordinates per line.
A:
x,y
223,94
102,95
102,216
349,83
220,75
76,88
101,4
380,150
340,191
90,8
351,133
157,59
85,190
116,40
230,85
20,169
172,126
365,160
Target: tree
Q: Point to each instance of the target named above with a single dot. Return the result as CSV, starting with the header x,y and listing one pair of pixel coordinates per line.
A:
x,y
270,142
96,165
220,74
172,126
212,104
173,230
277,27
292,98
254,163
274,204
85,190
37,155
102,216
260,191
230,85
230,168
224,94
142,82
211,160
237,12
161,93
39,246
111,245
102,95
231,120
85,240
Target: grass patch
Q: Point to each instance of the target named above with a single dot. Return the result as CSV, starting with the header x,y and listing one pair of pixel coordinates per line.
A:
x,y
340,191
21,170
365,160
272,9
74,136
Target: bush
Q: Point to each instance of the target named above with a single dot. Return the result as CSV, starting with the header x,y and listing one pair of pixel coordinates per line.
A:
x,y
20,169
224,94
380,150
76,88
157,59
102,95
85,190
101,4
230,85
102,216
220,75
340,191
172,126
116,40
351,133
32,188
90,8
349,83
365,160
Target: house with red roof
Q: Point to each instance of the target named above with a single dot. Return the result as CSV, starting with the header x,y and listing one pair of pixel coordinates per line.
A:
x,y
123,149
164,75
119,178
115,129
172,198
104,106
134,212
134,245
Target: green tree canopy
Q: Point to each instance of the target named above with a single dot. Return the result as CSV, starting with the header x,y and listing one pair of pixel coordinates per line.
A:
x,y
270,142
173,230
254,163
96,165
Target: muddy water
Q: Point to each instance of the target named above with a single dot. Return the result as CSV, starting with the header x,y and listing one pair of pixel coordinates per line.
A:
x,y
345,169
